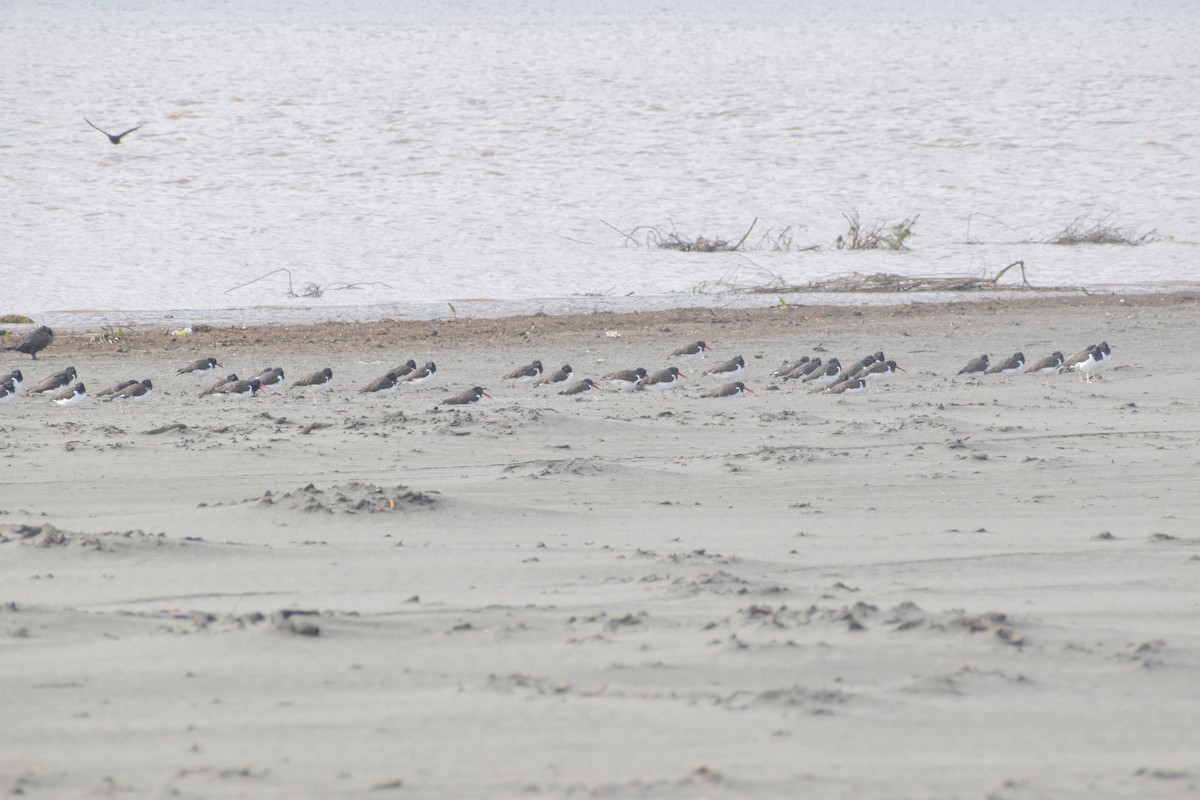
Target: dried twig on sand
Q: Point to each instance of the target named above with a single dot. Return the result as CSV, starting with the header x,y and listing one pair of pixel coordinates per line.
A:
x,y
309,289
1083,230
890,282
673,240
877,236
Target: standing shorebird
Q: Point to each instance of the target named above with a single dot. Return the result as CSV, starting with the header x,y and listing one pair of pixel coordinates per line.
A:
x,y
138,392
1097,357
319,381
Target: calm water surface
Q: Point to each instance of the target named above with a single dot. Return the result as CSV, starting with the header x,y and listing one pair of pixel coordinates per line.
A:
x,y
410,154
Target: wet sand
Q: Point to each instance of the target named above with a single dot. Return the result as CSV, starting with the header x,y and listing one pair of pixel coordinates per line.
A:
x,y
941,588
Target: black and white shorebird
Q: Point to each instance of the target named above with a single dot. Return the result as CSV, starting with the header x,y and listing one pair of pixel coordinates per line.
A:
x,y
8,393
1047,366
200,368
560,377
1082,355
114,138
116,387
801,371
218,386
33,342
734,389
787,366
468,397
319,381
851,386
664,380
53,383
71,395
1097,358
382,386
1009,366
691,352
242,390
855,369
419,377
138,392
729,369
405,368
15,378
583,388
626,380
530,373
830,373
881,371
270,377
976,367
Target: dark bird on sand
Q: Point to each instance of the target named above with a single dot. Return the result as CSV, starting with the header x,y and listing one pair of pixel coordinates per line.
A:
x,y
200,368
54,382
115,388
976,367
220,385
468,398
114,139
137,392
321,379
34,342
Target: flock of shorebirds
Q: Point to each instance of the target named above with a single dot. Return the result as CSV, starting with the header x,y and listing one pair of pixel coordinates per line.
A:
x,y
65,388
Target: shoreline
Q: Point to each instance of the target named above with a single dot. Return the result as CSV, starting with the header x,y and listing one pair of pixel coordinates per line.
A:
x,y
464,331
916,592
79,320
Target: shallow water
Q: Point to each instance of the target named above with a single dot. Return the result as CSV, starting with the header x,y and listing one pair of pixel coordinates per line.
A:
x,y
413,154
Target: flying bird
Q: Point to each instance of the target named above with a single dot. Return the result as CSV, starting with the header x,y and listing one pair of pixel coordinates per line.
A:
x,y
114,139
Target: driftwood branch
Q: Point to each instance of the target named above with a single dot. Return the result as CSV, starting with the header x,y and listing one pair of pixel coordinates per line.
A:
x,y
269,274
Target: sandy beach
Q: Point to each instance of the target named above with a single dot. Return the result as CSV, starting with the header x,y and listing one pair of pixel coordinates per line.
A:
x,y
942,588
